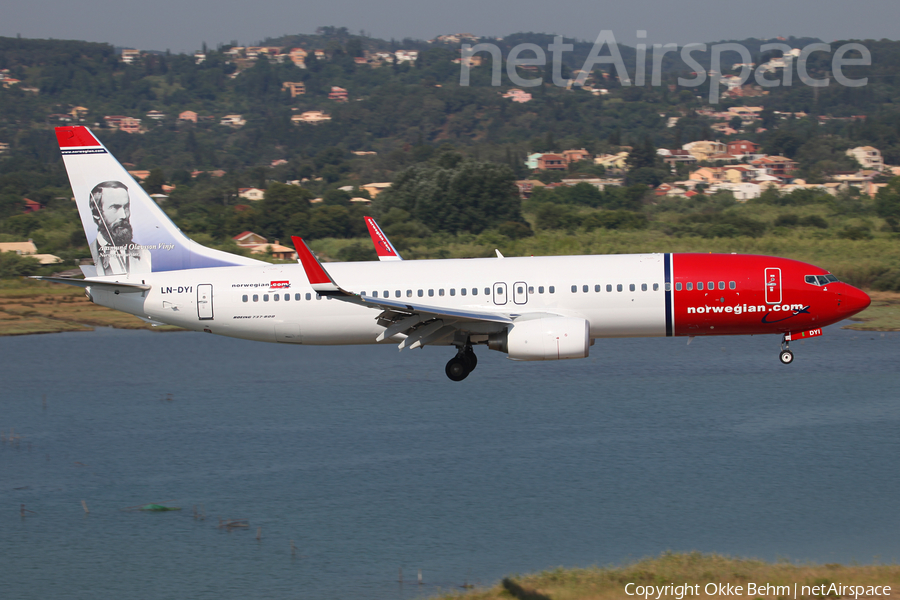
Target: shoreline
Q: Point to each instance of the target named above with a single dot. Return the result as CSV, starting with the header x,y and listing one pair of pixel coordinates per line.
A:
x,y
712,574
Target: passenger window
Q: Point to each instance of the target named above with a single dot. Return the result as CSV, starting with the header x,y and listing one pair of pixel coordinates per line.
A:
x,y
374,295
396,293
441,292
409,293
463,291
309,296
244,298
619,287
700,285
431,292
474,291
643,287
276,297
585,289
631,287
552,289
287,297
318,296
530,289
689,286
540,289
656,287
297,297
265,297
487,291
452,291
677,286
608,287
668,286
420,293
721,285
574,288
256,297
597,287
731,285
711,285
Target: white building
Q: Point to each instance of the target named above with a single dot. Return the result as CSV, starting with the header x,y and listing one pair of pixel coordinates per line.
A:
x,y
868,157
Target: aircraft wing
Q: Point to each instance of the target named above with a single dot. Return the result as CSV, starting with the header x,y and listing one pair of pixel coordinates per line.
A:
x,y
420,323
383,246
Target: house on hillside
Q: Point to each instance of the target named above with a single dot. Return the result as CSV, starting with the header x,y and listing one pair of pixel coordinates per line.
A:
x,y
29,249
296,88
868,157
253,194
338,94
552,162
257,244
130,55
234,121
188,115
310,116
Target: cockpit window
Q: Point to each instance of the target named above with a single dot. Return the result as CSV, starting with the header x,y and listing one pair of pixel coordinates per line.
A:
x,y
820,279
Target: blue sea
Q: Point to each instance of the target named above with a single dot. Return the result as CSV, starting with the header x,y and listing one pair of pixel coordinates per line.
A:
x,y
373,464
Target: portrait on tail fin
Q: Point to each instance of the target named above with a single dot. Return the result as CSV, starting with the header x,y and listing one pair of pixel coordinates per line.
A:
x,y
114,250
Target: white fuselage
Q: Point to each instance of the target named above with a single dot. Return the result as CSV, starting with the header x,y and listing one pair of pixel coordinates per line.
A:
x,y
275,303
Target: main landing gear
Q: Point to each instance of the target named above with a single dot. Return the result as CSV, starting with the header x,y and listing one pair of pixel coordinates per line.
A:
x,y
786,357
465,361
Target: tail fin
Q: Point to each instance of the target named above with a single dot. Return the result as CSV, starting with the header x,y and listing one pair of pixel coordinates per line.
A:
x,y
383,246
126,230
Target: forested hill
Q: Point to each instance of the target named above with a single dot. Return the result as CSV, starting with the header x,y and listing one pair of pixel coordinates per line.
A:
x,y
414,120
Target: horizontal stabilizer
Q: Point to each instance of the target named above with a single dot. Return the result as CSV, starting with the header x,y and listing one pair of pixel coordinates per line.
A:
x,y
112,286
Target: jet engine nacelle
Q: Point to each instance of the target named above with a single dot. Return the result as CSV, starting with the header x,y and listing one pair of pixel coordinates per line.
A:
x,y
547,338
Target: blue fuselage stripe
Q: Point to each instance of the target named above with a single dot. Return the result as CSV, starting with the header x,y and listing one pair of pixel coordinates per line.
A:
x,y
668,288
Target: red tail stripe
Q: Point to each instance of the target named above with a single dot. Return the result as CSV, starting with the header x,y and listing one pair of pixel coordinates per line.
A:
x,y
78,136
314,271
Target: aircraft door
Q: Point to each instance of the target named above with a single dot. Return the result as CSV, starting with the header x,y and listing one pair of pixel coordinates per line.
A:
x,y
205,302
500,293
773,285
520,292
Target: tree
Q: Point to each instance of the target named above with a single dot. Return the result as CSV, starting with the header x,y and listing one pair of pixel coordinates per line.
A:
x,y
469,196
279,205
154,182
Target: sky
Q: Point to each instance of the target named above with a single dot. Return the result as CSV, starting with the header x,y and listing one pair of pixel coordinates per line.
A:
x,y
182,26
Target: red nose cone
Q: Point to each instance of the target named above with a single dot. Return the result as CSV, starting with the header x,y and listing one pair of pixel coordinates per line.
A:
x,y
853,300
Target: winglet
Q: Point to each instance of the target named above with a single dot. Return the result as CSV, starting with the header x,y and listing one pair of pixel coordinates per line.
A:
x,y
383,246
318,277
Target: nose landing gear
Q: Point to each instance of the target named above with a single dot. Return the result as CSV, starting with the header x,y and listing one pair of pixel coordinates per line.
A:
x,y
465,361
786,357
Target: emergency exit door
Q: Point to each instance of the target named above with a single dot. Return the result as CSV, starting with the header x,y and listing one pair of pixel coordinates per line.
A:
x,y
773,285
205,301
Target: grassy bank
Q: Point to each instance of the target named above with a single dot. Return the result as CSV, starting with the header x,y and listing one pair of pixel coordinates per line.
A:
x,y
692,569
28,306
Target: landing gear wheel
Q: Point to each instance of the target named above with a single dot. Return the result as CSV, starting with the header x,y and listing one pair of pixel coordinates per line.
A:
x,y
457,369
786,357
471,359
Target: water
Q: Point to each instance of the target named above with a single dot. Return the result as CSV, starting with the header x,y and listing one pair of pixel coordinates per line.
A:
x,y
371,461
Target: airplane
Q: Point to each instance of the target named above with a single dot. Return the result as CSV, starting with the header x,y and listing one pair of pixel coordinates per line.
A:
x,y
530,308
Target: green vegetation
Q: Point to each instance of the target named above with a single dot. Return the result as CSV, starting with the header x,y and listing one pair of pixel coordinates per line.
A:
x,y
452,153
602,583
28,306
